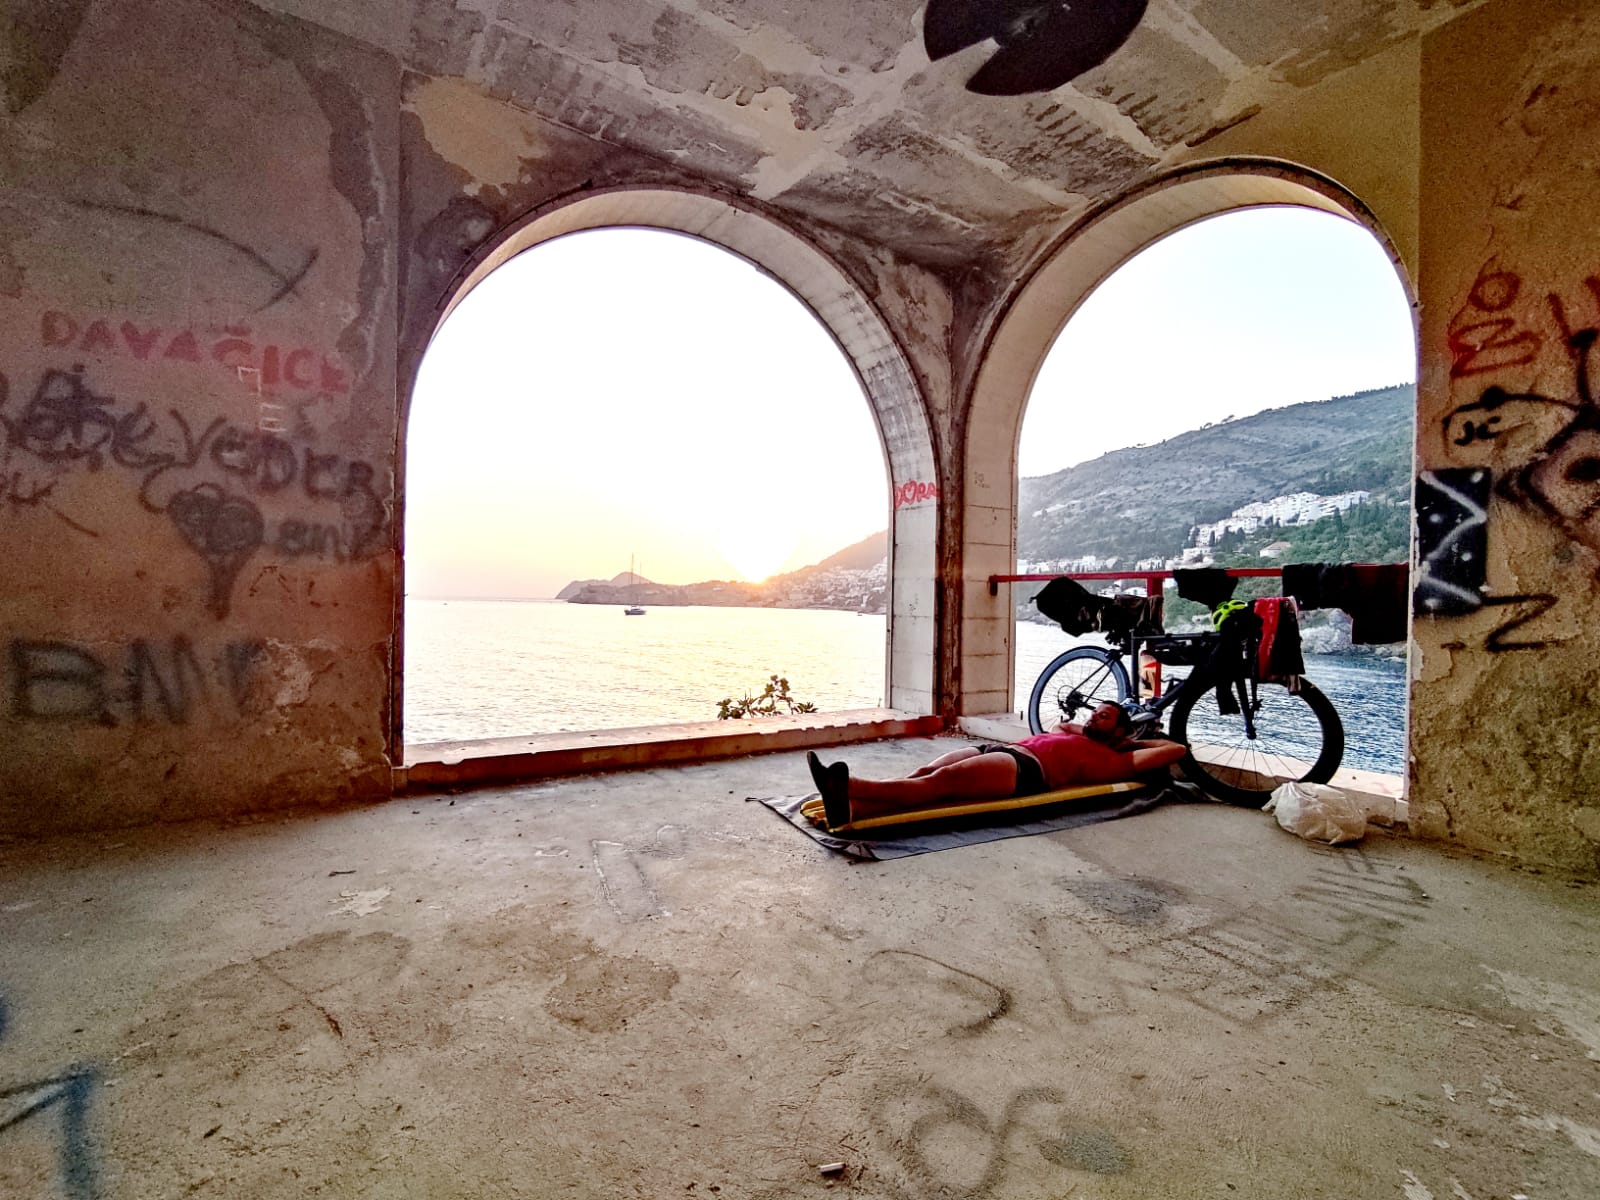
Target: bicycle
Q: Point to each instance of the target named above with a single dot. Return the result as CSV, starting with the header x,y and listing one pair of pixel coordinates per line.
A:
x,y
1262,732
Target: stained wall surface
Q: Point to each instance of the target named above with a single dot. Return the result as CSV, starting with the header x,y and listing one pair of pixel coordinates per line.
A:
x,y
1503,718
197,284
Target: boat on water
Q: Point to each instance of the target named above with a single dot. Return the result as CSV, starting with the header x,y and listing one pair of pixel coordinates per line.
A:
x,y
633,610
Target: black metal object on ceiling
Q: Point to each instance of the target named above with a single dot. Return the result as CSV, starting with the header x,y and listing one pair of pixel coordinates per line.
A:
x,y
1043,43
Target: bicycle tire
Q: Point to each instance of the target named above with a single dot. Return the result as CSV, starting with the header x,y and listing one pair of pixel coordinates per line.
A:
x,y
1299,736
1065,678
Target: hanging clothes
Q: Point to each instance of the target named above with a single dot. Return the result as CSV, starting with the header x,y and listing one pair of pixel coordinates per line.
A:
x,y
1374,594
1204,585
1280,656
1079,611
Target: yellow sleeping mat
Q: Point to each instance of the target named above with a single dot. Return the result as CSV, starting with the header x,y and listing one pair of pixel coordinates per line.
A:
x,y
814,812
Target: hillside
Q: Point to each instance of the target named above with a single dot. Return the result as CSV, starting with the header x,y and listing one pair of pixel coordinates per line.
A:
x,y
854,578
863,556
1146,503
1143,502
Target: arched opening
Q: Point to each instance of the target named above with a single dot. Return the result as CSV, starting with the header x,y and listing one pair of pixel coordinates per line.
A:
x,y
1065,288
1275,425
743,494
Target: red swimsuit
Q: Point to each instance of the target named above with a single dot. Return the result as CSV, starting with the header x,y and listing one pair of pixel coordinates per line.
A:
x,y
1076,760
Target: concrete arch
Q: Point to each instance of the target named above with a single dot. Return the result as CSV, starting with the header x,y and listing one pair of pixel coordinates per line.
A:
x,y
853,321
1024,331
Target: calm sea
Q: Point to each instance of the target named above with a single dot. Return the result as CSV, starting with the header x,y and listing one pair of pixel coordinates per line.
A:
x,y
503,668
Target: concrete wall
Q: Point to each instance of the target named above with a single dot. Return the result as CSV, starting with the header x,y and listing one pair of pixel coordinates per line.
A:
x,y
227,236
1509,438
197,283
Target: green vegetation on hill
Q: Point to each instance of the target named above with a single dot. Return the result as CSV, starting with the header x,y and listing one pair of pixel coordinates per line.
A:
x,y
1144,502
1376,532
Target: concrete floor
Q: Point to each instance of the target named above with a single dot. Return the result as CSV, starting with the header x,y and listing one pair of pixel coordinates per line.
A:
x,y
641,985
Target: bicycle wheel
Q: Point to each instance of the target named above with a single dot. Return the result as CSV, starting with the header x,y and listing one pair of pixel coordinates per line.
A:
x,y
1298,737
1073,684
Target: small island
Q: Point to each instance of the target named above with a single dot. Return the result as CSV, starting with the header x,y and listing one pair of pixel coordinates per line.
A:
x,y
855,579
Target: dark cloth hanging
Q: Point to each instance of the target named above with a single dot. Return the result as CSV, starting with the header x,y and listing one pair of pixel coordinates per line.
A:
x,y
1140,615
1280,653
1205,585
1079,611
1374,594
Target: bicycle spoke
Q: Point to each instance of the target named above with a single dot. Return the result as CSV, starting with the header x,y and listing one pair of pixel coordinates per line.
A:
x,y
1073,684
1296,736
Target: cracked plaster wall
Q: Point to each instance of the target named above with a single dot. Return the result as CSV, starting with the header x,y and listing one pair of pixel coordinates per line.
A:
x,y
476,167
1503,729
197,286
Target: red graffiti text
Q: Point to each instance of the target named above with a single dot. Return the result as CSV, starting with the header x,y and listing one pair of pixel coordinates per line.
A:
x,y
298,367
915,493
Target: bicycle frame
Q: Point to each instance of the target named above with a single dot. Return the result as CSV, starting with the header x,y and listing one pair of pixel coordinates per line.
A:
x,y
1244,680
1252,742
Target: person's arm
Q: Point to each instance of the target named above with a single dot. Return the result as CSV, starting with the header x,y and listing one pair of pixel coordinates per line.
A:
x,y
1150,743
1065,727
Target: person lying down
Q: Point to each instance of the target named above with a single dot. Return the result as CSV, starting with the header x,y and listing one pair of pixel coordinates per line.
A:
x,y
1098,751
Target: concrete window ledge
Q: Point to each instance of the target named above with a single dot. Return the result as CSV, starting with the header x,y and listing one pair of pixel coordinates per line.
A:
x,y
505,760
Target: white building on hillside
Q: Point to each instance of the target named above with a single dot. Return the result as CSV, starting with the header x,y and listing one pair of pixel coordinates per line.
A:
x,y
1301,508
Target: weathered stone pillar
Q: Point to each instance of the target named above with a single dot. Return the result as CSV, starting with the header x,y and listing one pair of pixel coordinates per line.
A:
x,y
1505,661
197,397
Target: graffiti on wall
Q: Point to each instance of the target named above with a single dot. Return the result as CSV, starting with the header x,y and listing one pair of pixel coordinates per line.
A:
x,y
65,1097
149,681
301,368
211,484
1452,512
1539,452
915,492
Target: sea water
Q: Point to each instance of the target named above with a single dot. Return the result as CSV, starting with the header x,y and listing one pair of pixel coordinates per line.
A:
x,y
504,668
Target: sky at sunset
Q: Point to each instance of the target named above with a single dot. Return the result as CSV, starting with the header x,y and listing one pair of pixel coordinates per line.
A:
x,y
632,394
1247,311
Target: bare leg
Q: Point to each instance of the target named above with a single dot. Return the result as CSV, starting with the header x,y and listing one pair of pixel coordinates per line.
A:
x,y
972,776
944,760
813,809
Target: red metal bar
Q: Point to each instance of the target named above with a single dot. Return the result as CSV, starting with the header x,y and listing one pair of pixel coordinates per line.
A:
x,y
1151,578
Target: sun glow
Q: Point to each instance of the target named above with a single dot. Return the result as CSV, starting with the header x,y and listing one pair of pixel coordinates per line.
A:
x,y
755,551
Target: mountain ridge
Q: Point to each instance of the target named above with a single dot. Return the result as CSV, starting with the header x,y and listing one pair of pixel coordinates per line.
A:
x,y
1143,501
1136,503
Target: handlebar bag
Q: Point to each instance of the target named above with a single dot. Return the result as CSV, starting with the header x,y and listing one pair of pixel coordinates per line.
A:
x,y
1079,611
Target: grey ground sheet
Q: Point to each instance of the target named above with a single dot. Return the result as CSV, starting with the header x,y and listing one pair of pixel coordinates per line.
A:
x,y
903,841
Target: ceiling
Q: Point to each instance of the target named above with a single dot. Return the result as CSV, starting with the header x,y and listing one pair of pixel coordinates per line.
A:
x,y
835,108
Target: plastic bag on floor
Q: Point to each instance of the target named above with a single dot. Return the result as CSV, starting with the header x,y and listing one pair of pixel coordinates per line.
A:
x,y
1318,813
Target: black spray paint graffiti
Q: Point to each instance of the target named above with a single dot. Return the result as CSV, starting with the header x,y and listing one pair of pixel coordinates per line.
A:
x,y
1036,1122
58,681
207,484
1545,451
66,1095
283,283
1452,509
